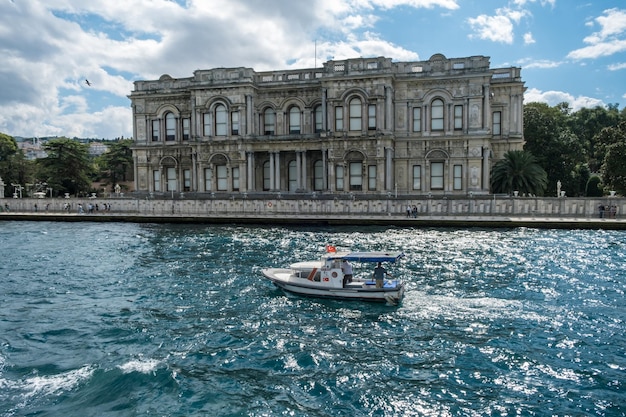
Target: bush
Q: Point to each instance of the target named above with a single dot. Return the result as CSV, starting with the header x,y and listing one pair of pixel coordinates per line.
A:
x,y
594,187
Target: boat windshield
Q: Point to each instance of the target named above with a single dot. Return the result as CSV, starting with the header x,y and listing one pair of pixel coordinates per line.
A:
x,y
368,256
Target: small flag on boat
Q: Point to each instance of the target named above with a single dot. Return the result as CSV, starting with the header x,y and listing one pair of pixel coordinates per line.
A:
x,y
331,248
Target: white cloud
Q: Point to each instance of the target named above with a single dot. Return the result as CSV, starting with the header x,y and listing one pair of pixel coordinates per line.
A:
x,y
552,98
617,67
528,38
498,28
609,40
541,63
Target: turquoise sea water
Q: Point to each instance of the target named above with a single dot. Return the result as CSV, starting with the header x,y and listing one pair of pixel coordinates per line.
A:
x,y
176,320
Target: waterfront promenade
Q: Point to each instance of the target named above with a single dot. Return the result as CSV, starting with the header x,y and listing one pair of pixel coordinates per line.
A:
x,y
536,213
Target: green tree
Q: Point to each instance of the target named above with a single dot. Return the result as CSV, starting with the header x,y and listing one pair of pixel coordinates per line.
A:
x,y
117,163
8,147
67,166
614,168
14,167
556,148
586,123
518,171
614,163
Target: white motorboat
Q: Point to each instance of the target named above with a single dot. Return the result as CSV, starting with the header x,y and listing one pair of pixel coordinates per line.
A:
x,y
327,278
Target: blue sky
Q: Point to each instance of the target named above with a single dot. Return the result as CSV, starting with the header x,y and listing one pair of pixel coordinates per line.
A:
x,y
569,50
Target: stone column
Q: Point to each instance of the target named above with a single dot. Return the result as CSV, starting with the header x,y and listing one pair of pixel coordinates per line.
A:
x,y
389,122
298,170
388,169
324,110
250,171
324,171
304,181
249,123
487,108
277,175
272,171
194,170
486,158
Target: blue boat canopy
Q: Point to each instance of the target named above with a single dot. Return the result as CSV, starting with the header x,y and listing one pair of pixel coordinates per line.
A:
x,y
367,256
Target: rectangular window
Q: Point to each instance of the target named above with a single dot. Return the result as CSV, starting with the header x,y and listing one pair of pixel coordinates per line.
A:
x,y
417,119
355,114
171,179
187,180
458,177
235,172
339,178
436,119
155,131
269,122
186,129
170,127
266,176
293,176
318,176
208,179
156,179
234,123
417,177
371,177
497,123
371,117
356,176
458,117
338,118
294,121
318,119
222,180
220,121
436,176
206,128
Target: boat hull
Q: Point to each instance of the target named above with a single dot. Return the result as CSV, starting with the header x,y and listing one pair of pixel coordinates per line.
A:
x,y
391,293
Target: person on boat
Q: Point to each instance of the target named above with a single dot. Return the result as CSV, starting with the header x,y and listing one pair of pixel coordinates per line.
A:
x,y
347,272
379,275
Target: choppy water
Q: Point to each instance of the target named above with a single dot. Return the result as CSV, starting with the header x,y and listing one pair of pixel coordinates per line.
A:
x,y
171,320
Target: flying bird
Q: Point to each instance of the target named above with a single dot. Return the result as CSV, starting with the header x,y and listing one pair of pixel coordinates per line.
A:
x,y
87,82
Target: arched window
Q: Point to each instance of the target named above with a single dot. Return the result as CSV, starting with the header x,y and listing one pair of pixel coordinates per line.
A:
x,y
293,176
221,177
436,118
170,127
355,114
220,120
317,115
269,122
436,175
294,120
266,176
155,131
318,175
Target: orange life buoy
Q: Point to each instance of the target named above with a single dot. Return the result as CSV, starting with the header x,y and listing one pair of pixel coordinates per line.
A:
x,y
269,204
326,279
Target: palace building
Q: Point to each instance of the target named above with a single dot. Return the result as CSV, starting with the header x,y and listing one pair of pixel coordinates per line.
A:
x,y
367,126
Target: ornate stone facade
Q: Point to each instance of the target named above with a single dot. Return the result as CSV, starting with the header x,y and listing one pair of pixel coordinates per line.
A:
x,y
362,126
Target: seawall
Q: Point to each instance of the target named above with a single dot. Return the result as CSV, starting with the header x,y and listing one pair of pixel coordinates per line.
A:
x,y
492,211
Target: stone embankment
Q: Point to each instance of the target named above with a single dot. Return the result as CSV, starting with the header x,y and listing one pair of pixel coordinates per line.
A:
x,y
484,211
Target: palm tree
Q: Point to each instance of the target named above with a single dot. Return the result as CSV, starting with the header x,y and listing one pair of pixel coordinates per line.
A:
x,y
518,171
